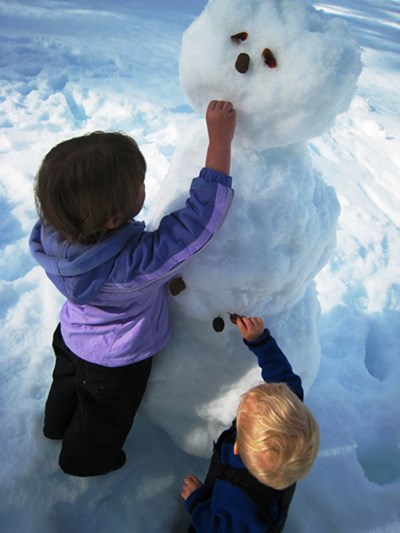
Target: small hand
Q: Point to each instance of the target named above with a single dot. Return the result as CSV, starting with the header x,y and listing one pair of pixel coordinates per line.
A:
x,y
190,484
251,328
221,121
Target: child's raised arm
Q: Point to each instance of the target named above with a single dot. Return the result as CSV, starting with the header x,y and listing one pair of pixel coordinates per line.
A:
x,y
221,123
275,367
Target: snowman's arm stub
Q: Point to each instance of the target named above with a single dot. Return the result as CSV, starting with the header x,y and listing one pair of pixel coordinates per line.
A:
x,y
176,286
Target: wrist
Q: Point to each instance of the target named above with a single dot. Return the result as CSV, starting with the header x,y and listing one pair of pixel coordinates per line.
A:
x,y
219,156
219,145
264,337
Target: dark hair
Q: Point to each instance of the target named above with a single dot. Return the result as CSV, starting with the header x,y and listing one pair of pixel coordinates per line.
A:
x,y
87,181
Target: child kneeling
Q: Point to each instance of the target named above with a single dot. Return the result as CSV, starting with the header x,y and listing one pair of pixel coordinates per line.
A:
x,y
256,462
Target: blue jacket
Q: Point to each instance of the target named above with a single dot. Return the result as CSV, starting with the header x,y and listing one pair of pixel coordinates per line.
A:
x,y
116,311
226,508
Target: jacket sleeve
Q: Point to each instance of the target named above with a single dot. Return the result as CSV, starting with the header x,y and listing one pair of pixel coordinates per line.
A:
x,y
275,368
226,509
183,233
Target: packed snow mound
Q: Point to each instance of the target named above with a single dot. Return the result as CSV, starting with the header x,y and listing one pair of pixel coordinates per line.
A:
x,y
288,70
278,234
303,62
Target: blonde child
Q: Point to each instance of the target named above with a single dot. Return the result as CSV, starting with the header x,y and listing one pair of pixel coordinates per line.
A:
x,y
256,462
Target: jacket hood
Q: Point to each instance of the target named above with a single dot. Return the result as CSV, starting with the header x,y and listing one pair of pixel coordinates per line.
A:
x,y
79,270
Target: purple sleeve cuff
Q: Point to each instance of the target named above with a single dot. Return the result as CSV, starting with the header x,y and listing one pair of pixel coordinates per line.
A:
x,y
209,174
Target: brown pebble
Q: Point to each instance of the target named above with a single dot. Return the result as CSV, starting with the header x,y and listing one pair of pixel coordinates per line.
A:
x,y
239,37
233,317
176,286
269,58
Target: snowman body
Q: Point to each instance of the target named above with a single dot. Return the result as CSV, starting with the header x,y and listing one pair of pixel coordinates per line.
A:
x,y
274,61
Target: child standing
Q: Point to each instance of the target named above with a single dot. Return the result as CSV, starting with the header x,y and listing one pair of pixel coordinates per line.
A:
x,y
114,275
256,462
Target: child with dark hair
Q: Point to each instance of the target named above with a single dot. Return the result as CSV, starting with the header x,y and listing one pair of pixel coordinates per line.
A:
x,y
272,443
114,275
89,185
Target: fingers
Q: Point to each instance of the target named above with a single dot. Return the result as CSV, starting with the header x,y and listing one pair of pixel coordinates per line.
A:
x,y
191,478
249,322
250,327
254,322
190,484
220,105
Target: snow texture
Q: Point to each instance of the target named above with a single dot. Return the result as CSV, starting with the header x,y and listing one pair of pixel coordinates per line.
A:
x,y
281,229
69,67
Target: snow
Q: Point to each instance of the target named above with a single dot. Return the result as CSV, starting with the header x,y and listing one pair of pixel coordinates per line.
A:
x,y
281,229
69,67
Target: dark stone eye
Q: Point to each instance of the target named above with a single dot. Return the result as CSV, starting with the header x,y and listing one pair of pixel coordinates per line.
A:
x,y
218,324
269,58
239,37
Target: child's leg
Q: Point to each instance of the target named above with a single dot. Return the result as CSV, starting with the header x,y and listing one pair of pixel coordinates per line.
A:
x,y
108,401
62,399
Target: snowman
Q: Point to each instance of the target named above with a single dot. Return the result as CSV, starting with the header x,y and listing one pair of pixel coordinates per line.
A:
x,y
289,70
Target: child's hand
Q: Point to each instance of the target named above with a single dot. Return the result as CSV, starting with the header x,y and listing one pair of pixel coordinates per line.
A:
x,y
251,328
221,121
190,484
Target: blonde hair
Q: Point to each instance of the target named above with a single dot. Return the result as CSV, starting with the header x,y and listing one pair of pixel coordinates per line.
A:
x,y
277,435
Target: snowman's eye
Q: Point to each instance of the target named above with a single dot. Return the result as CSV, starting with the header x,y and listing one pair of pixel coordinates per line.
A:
x,y
269,58
239,37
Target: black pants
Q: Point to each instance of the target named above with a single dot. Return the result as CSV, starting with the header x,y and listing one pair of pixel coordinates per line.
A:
x,y
92,408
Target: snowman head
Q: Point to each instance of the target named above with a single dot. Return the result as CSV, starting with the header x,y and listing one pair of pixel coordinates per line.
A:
x,y
287,68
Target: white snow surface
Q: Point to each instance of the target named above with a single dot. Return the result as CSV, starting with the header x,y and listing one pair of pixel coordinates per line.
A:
x,y
70,67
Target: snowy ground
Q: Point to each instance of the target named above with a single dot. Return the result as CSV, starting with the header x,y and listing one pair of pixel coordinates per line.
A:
x,y
69,67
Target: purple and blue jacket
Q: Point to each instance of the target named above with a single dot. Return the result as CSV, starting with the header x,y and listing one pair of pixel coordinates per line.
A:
x,y
116,311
